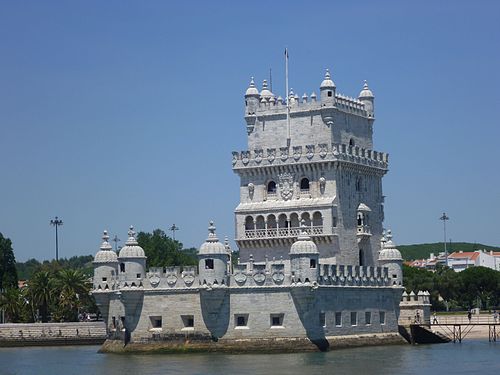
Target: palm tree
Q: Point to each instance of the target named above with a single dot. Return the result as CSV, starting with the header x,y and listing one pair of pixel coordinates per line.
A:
x,y
72,286
41,290
12,302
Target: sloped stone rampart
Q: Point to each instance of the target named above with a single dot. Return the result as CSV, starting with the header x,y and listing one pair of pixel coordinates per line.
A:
x,y
46,334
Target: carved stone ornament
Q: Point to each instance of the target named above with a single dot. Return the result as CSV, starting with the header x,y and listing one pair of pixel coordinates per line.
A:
x,y
245,157
322,182
286,185
240,277
154,279
259,277
297,152
235,157
251,189
309,151
258,156
271,154
284,153
171,280
278,276
335,150
323,150
188,277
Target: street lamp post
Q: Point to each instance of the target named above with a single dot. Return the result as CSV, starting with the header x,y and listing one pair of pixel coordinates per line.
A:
x,y
445,218
56,223
173,228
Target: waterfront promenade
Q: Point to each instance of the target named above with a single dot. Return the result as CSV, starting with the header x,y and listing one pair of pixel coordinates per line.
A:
x,y
42,334
477,328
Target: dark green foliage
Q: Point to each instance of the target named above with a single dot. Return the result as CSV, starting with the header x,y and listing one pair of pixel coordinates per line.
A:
x,y
162,251
473,287
422,251
27,269
8,273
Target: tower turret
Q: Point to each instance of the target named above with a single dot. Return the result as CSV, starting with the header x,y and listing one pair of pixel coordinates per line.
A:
x,y
327,96
304,257
390,257
327,90
366,97
213,259
132,261
105,265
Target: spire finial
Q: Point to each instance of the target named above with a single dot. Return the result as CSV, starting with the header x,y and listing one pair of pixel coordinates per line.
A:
x,y
212,237
365,85
389,235
131,241
105,244
264,84
327,74
252,83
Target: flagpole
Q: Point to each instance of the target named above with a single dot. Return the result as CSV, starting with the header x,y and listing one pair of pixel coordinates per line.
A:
x,y
287,99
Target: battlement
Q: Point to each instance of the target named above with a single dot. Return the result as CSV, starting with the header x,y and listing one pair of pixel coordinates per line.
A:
x,y
310,154
272,106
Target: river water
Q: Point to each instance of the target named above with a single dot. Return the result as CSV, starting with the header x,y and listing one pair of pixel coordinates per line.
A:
x,y
469,357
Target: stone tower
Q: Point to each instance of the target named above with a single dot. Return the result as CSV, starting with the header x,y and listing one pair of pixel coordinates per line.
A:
x,y
319,166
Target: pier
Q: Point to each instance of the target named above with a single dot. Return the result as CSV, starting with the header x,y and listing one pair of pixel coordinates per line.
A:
x,y
458,328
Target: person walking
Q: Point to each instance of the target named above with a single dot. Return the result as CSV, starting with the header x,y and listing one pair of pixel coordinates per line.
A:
x,y
434,318
495,316
469,316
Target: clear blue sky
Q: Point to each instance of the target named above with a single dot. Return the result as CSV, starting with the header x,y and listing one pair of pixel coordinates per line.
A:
x,y
126,112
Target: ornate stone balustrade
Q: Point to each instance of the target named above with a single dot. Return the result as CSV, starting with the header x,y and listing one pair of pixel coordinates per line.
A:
x,y
284,232
310,153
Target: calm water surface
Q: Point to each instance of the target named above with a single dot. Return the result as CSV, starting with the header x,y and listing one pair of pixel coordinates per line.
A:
x,y
470,357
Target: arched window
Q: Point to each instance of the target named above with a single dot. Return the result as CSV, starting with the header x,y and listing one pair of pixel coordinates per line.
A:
x,y
294,220
271,187
260,223
317,219
358,184
307,218
360,219
304,184
351,142
122,267
249,224
361,257
282,221
271,221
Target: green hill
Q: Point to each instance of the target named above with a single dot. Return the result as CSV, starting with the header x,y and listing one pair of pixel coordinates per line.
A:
x,y
422,251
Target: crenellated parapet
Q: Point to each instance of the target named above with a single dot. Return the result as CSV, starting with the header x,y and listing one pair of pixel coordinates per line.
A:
x,y
342,275
310,154
172,277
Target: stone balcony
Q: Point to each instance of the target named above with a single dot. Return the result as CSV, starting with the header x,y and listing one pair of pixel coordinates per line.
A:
x,y
286,232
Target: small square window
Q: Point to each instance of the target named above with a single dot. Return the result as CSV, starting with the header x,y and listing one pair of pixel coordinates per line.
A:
x,y
329,93
368,318
382,317
338,319
241,320
354,318
188,321
277,320
209,264
156,321
312,263
138,275
104,279
322,319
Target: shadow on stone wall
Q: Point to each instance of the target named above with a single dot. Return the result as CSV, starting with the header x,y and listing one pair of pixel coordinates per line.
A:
x,y
215,305
306,302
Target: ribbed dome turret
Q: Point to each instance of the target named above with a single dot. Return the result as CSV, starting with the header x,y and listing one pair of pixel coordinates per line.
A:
x,y
366,92
389,252
106,253
304,244
266,93
252,90
327,82
131,248
212,244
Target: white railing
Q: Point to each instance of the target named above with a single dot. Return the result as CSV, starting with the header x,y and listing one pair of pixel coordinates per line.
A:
x,y
284,232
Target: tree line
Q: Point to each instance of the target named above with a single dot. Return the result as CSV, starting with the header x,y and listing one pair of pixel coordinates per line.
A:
x,y
450,290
